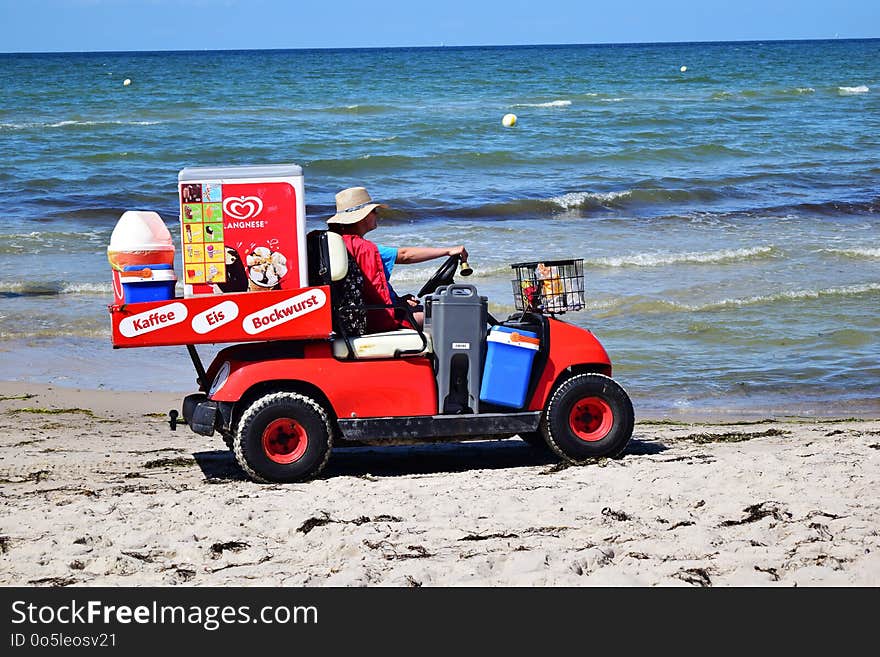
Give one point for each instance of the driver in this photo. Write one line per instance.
(355, 217)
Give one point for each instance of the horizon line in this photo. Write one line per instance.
(441, 46)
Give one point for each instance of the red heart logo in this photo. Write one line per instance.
(243, 207)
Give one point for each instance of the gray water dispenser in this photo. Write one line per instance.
(456, 318)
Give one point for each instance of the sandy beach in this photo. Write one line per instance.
(96, 490)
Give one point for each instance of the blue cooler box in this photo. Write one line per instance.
(148, 283)
(509, 357)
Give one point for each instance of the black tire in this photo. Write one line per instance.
(588, 416)
(283, 437)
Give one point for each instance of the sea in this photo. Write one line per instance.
(724, 197)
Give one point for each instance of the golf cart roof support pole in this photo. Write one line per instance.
(200, 369)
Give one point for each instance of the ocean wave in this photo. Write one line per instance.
(54, 241)
(852, 91)
(529, 208)
(52, 288)
(65, 124)
(552, 103)
(647, 306)
(662, 259)
(628, 197)
(572, 200)
(60, 332)
(761, 93)
(828, 208)
(358, 109)
(791, 295)
(856, 252)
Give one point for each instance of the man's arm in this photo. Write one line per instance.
(408, 255)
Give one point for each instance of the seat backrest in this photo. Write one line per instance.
(338, 256)
(327, 256)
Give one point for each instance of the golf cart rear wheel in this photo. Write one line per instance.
(283, 437)
(588, 416)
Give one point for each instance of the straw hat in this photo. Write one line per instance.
(352, 205)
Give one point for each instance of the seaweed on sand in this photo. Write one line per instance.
(217, 549)
(325, 519)
(756, 512)
(731, 436)
(50, 411)
(178, 462)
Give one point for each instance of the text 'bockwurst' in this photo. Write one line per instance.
(282, 312)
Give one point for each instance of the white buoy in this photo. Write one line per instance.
(509, 120)
(126, 82)
(683, 69)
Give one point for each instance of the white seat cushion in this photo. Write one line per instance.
(338, 256)
(383, 345)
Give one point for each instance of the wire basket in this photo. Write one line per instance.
(552, 286)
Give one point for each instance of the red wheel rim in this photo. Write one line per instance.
(285, 440)
(591, 419)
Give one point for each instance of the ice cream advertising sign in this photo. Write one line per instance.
(240, 237)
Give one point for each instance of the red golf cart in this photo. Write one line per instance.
(304, 375)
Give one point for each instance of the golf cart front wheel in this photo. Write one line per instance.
(588, 416)
(283, 437)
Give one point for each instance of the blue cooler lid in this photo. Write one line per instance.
(514, 337)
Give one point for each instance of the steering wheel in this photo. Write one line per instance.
(445, 275)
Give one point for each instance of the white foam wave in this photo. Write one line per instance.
(661, 259)
(62, 332)
(381, 138)
(87, 288)
(643, 305)
(51, 288)
(64, 124)
(576, 199)
(552, 103)
(805, 90)
(858, 253)
(851, 91)
(791, 295)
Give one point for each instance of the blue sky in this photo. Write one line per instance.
(93, 25)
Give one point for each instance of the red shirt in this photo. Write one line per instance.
(366, 254)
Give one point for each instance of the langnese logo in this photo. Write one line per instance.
(153, 320)
(284, 311)
(243, 207)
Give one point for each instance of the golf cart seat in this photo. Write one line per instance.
(384, 345)
(329, 264)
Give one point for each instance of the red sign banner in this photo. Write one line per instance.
(298, 314)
